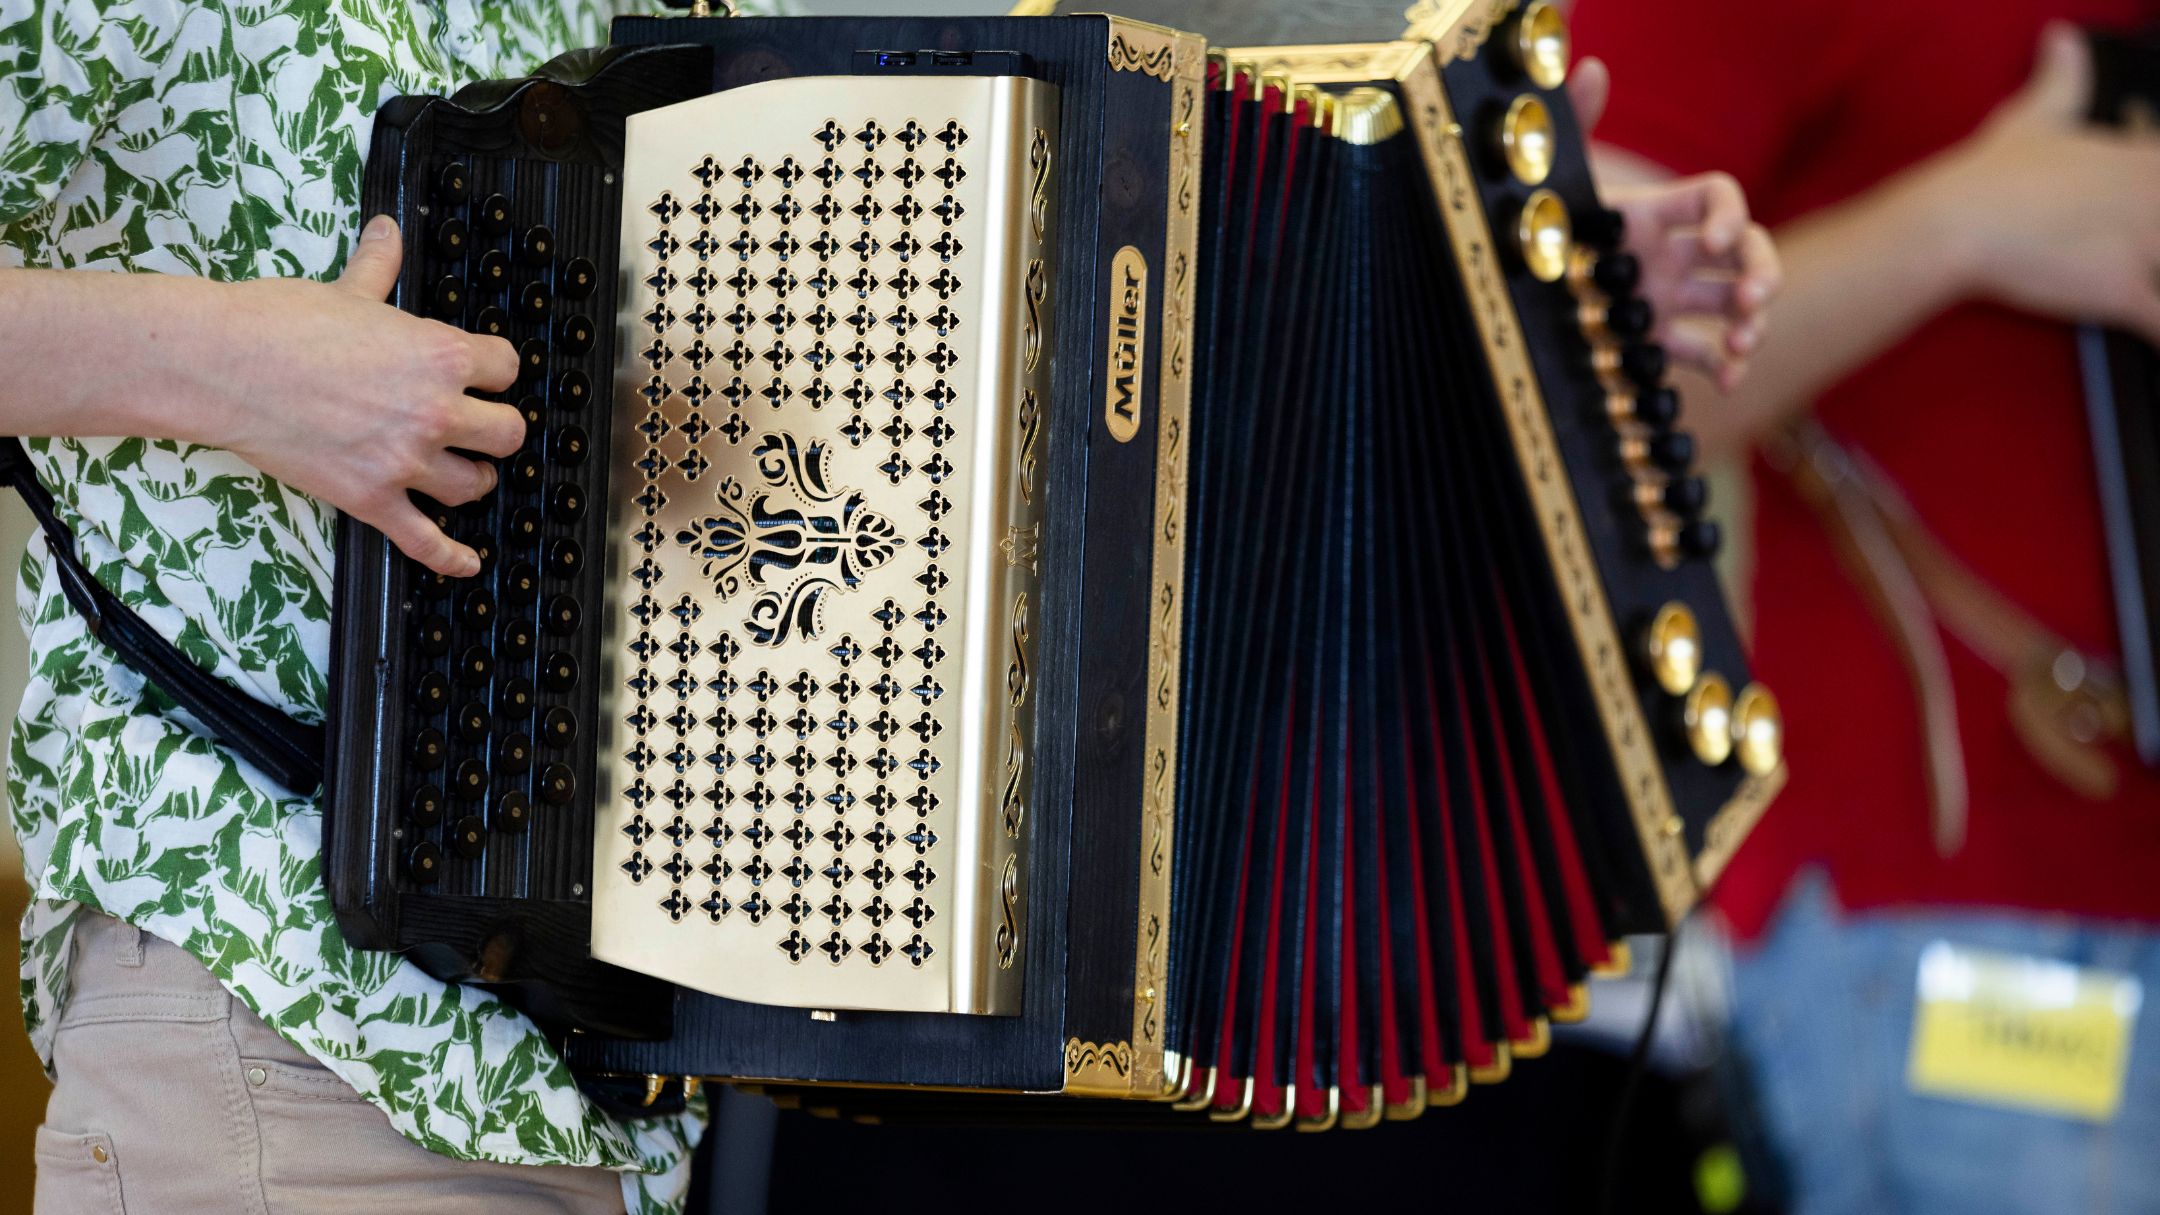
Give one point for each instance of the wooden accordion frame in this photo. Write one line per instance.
(995, 429)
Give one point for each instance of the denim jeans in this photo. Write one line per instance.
(1822, 1022)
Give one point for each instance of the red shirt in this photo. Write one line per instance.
(1978, 416)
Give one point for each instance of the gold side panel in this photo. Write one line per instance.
(1098, 1069)
(1349, 63)
(816, 734)
(1729, 828)
(1567, 545)
(1457, 27)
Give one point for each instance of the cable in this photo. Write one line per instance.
(1638, 1062)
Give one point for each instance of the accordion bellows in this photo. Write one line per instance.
(1114, 570)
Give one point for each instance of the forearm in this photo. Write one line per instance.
(97, 354)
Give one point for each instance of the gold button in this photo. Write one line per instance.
(257, 1076)
(1675, 648)
(1708, 716)
(1526, 140)
(1541, 44)
(1544, 235)
(1758, 730)
(99, 1154)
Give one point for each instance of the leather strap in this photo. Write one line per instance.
(289, 752)
(2065, 706)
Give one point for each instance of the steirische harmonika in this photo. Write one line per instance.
(1051, 561)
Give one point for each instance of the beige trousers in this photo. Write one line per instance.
(172, 1098)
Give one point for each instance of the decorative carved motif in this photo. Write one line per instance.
(1098, 1069)
(1146, 49)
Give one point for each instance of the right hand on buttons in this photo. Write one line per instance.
(2047, 213)
(336, 393)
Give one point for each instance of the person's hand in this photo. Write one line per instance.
(1708, 269)
(2047, 213)
(336, 393)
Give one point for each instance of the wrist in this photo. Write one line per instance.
(1937, 214)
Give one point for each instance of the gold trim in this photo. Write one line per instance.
(1034, 8)
(1137, 46)
(1348, 63)
(1597, 636)
(1367, 116)
(1458, 28)
(1619, 962)
(1098, 1069)
(1281, 1121)
(1577, 1006)
(1181, 243)
(1413, 1108)
(1458, 1087)
(1239, 1114)
(1502, 1066)
(1327, 1121)
(1539, 1041)
(1730, 826)
(1125, 374)
(1199, 1092)
(1375, 1109)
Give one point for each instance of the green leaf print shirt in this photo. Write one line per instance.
(224, 138)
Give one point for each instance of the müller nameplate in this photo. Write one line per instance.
(827, 503)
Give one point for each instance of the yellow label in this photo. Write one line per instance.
(1128, 343)
(2027, 1033)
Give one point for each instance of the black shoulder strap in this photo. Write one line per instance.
(287, 751)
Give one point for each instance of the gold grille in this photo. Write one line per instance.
(827, 504)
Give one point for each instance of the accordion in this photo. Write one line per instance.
(1050, 560)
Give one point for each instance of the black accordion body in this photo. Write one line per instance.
(1051, 560)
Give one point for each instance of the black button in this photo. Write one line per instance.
(566, 503)
(1673, 451)
(479, 608)
(476, 666)
(1602, 229)
(565, 559)
(1659, 409)
(515, 755)
(513, 810)
(557, 783)
(453, 183)
(522, 587)
(429, 749)
(576, 335)
(532, 357)
(526, 524)
(493, 215)
(429, 583)
(568, 446)
(518, 640)
(484, 547)
(562, 616)
(469, 838)
(448, 298)
(1630, 319)
(579, 278)
(432, 693)
(473, 722)
(525, 472)
(472, 780)
(572, 389)
(517, 698)
(533, 302)
(433, 636)
(492, 275)
(425, 863)
(452, 239)
(559, 727)
(558, 672)
(425, 807)
(1644, 364)
(1686, 496)
(1617, 274)
(492, 322)
(534, 410)
(1700, 539)
(537, 246)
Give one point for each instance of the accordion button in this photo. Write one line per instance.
(577, 335)
(518, 640)
(1543, 236)
(558, 673)
(537, 246)
(1674, 648)
(515, 755)
(533, 302)
(433, 636)
(479, 609)
(566, 503)
(1758, 731)
(476, 666)
(429, 749)
(448, 298)
(1630, 319)
(472, 780)
(1707, 714)
(425, 863)
(453, 184)
(557, 784)
(565, 559)
(572, 389)
(1673, 451)
(559, 727)
(568, 446)
(526, 525)
(513, 811)
(517, 698)
(1659, 409)
(522, 587)
(579, 279)
(1644, 363)
(492, 216)
(1526, 140)
(525, 473)
(1540, 46)
(492, 275)
(492, 322)
(452, 239)
(432, 693)
(532, 358)
(425, 807)
(1685, 496)
(469, 838)
(534, 410)
(1617, 274)
(1701, 539)
(563, 615)
(428, 583)
(473, 722)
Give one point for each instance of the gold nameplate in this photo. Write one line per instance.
(818, 710)
(2027, 1033)
(1128, 344)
